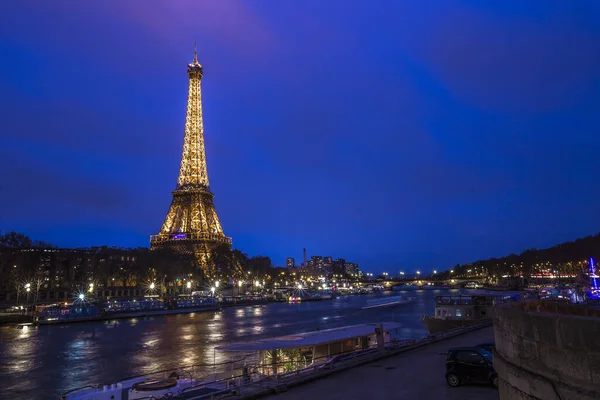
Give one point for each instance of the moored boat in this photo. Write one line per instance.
(406, 286)
(457, 311)
(80, 311)
(144, 388)
(315, 349)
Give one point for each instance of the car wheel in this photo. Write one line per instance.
(495, 382)
(452, 379)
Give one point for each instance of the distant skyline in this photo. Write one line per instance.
(395, 134)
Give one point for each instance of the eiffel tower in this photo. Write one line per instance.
(192, 225)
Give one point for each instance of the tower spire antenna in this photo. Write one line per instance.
(195, 54)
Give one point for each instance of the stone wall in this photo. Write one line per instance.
(547, 350)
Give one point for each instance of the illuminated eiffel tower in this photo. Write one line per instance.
(192, 225)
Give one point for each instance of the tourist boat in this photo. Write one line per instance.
(407, 286)
(387, 302)
(317, 349)
(144, 388)
(247, 300)
(84, 311)
(304, 295)
(455, 311)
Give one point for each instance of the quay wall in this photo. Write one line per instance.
(547, 351)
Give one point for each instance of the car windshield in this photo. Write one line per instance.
(486, 354)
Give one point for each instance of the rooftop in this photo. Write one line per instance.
(308, 339)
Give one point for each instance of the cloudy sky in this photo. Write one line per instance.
(398, 134)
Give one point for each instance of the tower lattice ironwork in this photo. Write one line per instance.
(192, 225)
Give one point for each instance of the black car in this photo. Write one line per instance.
(487, 346)
(470, 365)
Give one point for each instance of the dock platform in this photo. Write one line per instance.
(416, 374)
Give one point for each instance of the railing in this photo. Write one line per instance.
(184, 237)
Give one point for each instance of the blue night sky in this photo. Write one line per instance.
(397, 134)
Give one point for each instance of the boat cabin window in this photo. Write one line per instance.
(458, 313)
(469, 313)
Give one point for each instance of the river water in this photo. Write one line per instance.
(44, 362)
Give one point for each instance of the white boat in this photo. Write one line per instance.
(404, 287)
(387, 302)
(317, 349)
(144, 388)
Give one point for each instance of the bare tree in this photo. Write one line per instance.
(38, 282)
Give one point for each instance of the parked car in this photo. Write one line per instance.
(470, 365)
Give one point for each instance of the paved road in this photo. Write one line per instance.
(417, 374)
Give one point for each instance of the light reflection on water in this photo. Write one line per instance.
(43, 362)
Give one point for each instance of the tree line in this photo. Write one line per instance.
(26, 261)
(569, 258)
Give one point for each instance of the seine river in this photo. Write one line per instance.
(43, 362)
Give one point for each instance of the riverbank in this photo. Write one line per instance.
(12, 318)
(45, 362)
(409, 375)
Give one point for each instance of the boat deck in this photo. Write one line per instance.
(307, 339)
(417, 374)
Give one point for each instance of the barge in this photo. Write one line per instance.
(83, 311)
(456, 311)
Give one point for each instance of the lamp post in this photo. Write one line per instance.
(239, 288)
(27, 289)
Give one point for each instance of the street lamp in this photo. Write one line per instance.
(212, 290)
(299, 287)
(239, 287)
(189, 285)
(217, 284)
(27, 289)
(152, 286)
(81, 296)
(418, 272)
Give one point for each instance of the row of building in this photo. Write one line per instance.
(319, 265)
